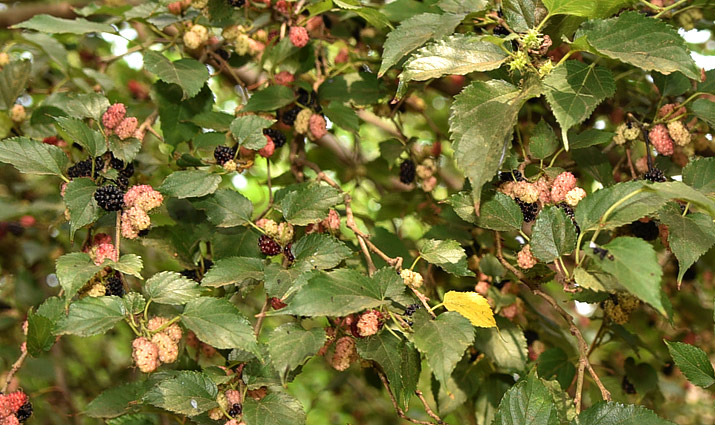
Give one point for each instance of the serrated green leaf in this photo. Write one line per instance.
(683, 192)
(647, 43)
(77, 131)
(175, 113)
(134, 302)
(519, 14)
(187, 393)
(462, 6)
(32, 156)
(594, 162)
(79, 198)
(589, 137)
(318, 251)
(219, 121)
(595, 280)
(414, 32)
(528, 402)
(91, 316)
(54, 25)
(125, 150)
(248, 131)
(233, 270)
(611, 412)
(130, 264)
(543, 140)
(505, 345)
(116, 401)
(289, 346)
(674, 84)
(307, 203)
(585, 8)
(634, 263)
(398, 359)
(553, 235)
(337, 293)
(217, 322)
(342, 116)
(73, 271)
(704, 109)
(693, 362)
(574, 89)
(554, 361)
(269, 99)
(443, 341)
(13, 80)
(634, 202)
(500, 213)
(226, 208)
(40, 337)
(449, 255)
(464, 207)
(481, 122)
(700, 174)
(86, 105)
(689, 236)
(189, 74)
(458, 54)
(171, 288)
(276, 408)
(190, 184)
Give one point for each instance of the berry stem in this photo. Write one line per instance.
(666, 9)
(166, 325)
(15, 367)
(414, 263)
(118, 232)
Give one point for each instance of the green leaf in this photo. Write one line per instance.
(700, 174)
(289, 346)
(189, 74)
(269, 99)
(589, 137)
(13, 80)
(505, 345)
(276, 408)
(458, 54)
(337, 293)
(633, 203)
(398, 359)
(342, 116)
(307, 203)
(134, 302)
(278, 281)
(462, 204)
(683, 192)
(77, 131)
(449, 255)
(190, 184)
(647, 43)
(32, 156)
(91, 316)
(219, 121)
(128, 264)
(519, 14)
(318, 251)
(171, 288)
(693, 362)
(125, 150)
(574, 89)
(226, 208)
(79, 198)
(40, 337)
(414, 32)
(443, 341)
(217, 322)
(116, 400)
(248, 131)
(528, 402)
(86, 105)
(73, 271)
(543, 141)
(634, 263)
(585, 8)
(674, 84)
(481, 122)
(553, 235)
(462, 6)
(703, 109)
(611, 412)
(554, 361)
(53, 25)
(176, 114)
(500, 213)
(233, 270)
(187, 393)
(689, 237)
(594, 162)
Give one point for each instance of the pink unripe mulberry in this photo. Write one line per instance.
(542, 185)
(369, 323)
(143, 197)
(318, 126)
(103, 251)
(525, 259)
(267, 151)
(114, 115)
(574, 196)
(345, 353)
(145, 354)
(126, 128)
(333, 220)
(298, 36)
(526, 191)
(233, 397)
(167, 348)
(661, 140)
(563, 183)
(284, 78)
(342, 56)
(10, 420)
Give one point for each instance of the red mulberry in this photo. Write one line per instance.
(126, 128)
(114, 115)
(298, 36)
(661, 140)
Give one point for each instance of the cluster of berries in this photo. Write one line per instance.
(618, 307)
(15, 408)
(410, 310)
(159, 347)
(329, 224)
(645, 228)
(196, 36)
(412, 279)
(529, 195)
(242, 42)
(276, 239)
(230, 402)
(425, 171)
(525, 259)
(115, 121)
(138, 201)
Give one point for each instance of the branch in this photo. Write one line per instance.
(399, 411)
(15, 367)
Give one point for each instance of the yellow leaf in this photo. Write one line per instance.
(472, 306)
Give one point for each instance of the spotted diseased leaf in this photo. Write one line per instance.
(190, 184)
(414, 32)
(290, 345)
(91, 316)
(277, 408)
(639, 40)
(217, 322)
(611, 412)
(457, 54)
(574, 89)
(693, 362)
(528, 402)
(171, 288)
(307, 203)
(185, 392)
(32, 156)
(472, 306)
(449, 255)
(443, 341)
(189, 74)
(553, 235)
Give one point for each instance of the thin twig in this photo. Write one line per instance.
(15, 367)
(261, 316)
(399, 411)
(429, 411)
(366, 253)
